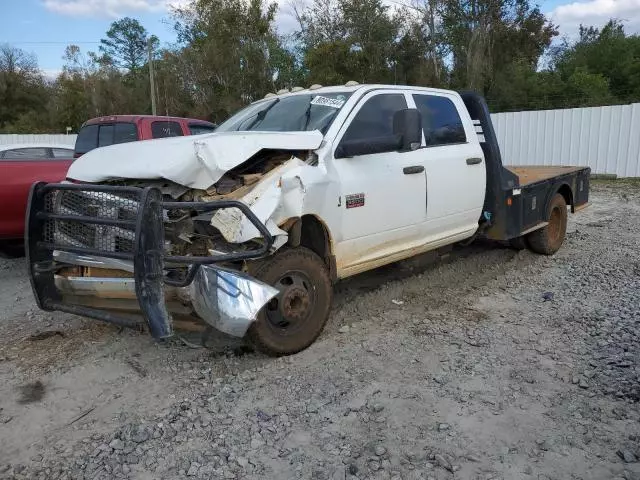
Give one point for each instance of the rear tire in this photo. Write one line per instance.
(518, 243)
(549, 239)
(294, 319)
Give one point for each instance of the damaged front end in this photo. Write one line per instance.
(105, 252)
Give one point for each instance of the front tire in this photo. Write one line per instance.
(294, 319)
(549, 239)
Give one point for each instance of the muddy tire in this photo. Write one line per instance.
(518, 243)
(293, 320)
(549, 239)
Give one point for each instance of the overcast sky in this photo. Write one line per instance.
(45, 27)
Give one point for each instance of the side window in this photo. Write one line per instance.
(125, 132)
(26, 154)
(375, 118)
(200, 128)
(440, 120)
(62, 153)
(105, 135)
(162, 129)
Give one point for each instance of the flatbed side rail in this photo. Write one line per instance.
(119, 222)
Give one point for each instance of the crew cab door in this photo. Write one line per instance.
(454, 165)
(382, 202)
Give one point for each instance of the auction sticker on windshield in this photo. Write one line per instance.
(327, 102)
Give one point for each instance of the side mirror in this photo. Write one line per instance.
(407, 124)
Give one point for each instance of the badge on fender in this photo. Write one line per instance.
(355, 200)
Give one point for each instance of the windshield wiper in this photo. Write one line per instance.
(261, 114)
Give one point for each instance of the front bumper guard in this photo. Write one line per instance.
(226, 299)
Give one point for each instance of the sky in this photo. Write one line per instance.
(46, 27)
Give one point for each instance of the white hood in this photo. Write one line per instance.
(195, 161)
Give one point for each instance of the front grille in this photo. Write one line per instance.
(106, 238)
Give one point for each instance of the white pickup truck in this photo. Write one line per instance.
(246, 229)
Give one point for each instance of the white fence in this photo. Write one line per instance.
(62, 139)
(607, 139)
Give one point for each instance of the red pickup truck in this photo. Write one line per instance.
(23, 165)
(103, 131)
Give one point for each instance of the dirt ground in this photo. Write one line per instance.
(487, 364)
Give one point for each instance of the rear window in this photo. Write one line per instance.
(29, 153)
(105, 135)
(87, 139)
(92, 136)
(200, 128)
(440, 120)
(62, 153)
(162, 129)
(125, 132)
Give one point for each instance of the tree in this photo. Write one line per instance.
(126, 45)
(320, 22)
(231, 54)
(610, 54)
(420, 53)
(73, 103)
(487, 36)
(350, 40)
(372, 33)
(330, 63)
(427, 36)
(22, 87)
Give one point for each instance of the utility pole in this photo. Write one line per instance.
(151, 78)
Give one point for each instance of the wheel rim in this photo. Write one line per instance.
(555, 224)
(293, 305)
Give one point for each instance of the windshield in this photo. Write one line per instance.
(296, 113)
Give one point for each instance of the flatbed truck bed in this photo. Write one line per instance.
(531, 174)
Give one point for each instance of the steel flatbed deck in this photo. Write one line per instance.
(529, 175)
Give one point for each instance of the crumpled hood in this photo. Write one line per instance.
(196, 161)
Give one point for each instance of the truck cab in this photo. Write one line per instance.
(400, 201)
(247, 228)
(115, 129)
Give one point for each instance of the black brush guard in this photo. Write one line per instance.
(147, 252)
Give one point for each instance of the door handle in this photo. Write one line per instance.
(413, 169)
(474, 161)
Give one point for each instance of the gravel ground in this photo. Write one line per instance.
(488, 364)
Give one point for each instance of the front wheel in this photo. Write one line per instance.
(292, 320)
(549, 239)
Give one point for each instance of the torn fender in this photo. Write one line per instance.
(282, 194)
(196, 161)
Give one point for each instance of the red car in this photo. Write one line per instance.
(23, 165)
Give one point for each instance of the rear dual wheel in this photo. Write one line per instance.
(518, 243)
(549, 239)
(293, 319)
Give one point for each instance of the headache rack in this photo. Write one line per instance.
(117, 222)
